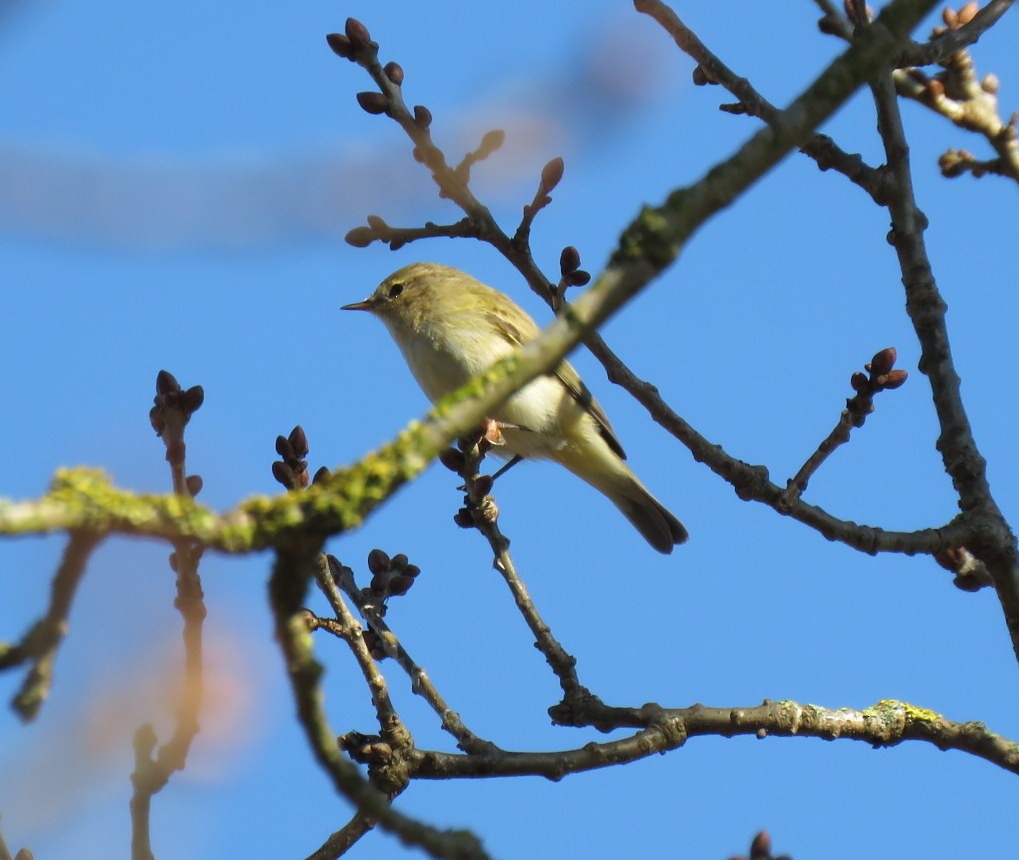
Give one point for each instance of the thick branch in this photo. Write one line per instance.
(991, 540)
(886, 724)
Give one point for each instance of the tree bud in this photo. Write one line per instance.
(394, 71)
(373, 103)
(378, 561)
(358, 34)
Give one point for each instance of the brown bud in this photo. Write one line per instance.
(284, 448)
(400, 561)
(284, 474)
(422, 116)
(394, 71)
(552, 173)
(949, 16)
(340, 45)
(452, 460)
(893, 379)
(578, 278)
(483, 485)
(760, 848)
(990, 84)
(569, 260)
(463, 519)
(491, 142)
(400, 584)
(172, 558)
(360, 237)
(968, 12)
(321, 475)
(700, 77)
(358, 34)
(194, 484)
(412, 570)
(378, 561)
(192, 399)
(827, 25)
(882, 361)
(24, 854)
(373, 103)
(380, 582)
(166, 382)
(860, 383)
(967, 583)
(299, 441)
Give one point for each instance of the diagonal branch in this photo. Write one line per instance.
(990, 538)
(819, 147)
(40, 644)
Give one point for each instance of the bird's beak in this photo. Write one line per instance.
(365, 305)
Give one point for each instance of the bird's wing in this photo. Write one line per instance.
(570, 380)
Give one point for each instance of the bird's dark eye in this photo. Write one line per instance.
(395, 290)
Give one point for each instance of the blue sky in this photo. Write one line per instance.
(174, 188)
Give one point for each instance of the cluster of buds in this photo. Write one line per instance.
(355, 44)
(569, 269)
(172, 409)
(477, 501)
(354, 40)
(880, 376)
(955, 19)
(362, 237)
(391, 577)
(366, 749)
(291, 470)
(971, 574)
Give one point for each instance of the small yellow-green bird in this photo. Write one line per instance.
(451, 327)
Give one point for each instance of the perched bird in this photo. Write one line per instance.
(451, 327)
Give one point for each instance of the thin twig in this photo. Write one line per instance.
(344, 839)
(421, 683)
(858, 407)
(819, 147)
(170, 414)
(293, 570)
(393, 728)
(484, 515)
(42, 642)
(941, 47)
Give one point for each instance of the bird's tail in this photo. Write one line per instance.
(616, 480)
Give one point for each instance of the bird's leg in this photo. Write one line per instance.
(491, 433)
(503, 469)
